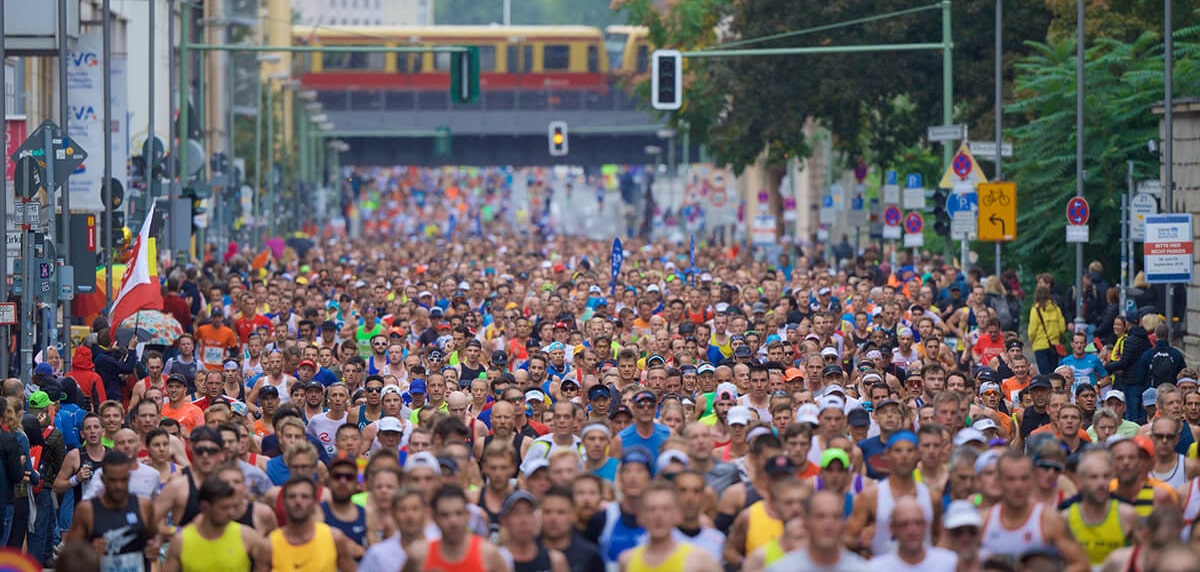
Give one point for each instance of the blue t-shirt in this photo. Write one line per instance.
(608, 471)
(873, 450)
(630, 438)
(1087, 369)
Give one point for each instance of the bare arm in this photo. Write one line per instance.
(70, 466)
(1055, 530)
(345, 553)
(175, 554)
(735, 544)
(702, 561)
(258, 547)
(558, 562)
(860, 517)
(81, 525)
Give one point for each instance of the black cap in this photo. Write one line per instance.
(268, 390)
(178, 378)
(742, 351)
(858, 417)
(599, 392)
(517, 496)
(832, 370)
(619, 410)
(780, 465)
(1041, 382)
(987, 374)
(645, 395)
(499, 358)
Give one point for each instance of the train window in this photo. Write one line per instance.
(353, 61)
(556, 57)
(441, 61)
(614, 44)
(512, 56)
(487, 58)
(593, 56)
(643, 58)
(527, 59)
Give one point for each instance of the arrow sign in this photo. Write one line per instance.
(1078, 211)
(998, 221)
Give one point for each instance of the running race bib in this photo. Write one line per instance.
(213, 355)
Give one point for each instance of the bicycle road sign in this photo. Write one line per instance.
(997, 211)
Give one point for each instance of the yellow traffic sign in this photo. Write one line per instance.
(963, 170)
(997, 211)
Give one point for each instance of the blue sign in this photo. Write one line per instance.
(962, 203)
(892, 177)
(827, 201)
(913, 181)
(891, 216)
(913, 223)
(856, 203)
(617, 257)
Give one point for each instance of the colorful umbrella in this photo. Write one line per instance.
(163, 328)
(90, 305)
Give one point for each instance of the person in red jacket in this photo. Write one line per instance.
(83, 371)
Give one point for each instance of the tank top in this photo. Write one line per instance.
(281, 512)
(540, 563)
(355, 530)
(1143, 503)
(772, 552)
(124, 534)
(493, 518)
(192, 509)
(760, 526)
(86, 460)
(472, 561)
(224, 554)
(998, 540)
(1191, 508)
(316, 555)
(247, 516)
(1032, 420)
(1098, 540)
(882, 542)
(362, 417)
(1177, 476)
(673, 563)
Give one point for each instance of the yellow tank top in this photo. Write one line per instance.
(773, 552)
(1098, 540)
(316, 555)
(225, 554)
(674, 563)
(761, 528)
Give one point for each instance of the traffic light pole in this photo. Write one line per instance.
(946, 46)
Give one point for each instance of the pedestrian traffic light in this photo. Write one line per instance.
(464, 75)
(558, 138)
(941, 218)
(666, 80)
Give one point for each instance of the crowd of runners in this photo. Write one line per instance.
(504, 403)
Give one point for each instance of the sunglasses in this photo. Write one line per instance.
(644, 405)
(373, 389)
(1163, 436)
(206, 451)
(1050, 466)
(344, 476)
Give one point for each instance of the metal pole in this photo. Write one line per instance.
(172, 109)
(1126, 230)
(64, 236)
(107, 188)
(269, 212)
(4, 207)
(152, 76)
(507, 12)
(185, 95)
(256, 201)
(1079, 170)
(999, 104)
(1169, 136)
(948, 109)
(231, 182)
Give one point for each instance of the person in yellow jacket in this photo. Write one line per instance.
(1046, 328)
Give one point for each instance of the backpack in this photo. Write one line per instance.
(37, 459)
(69, 422)
(1162, 368)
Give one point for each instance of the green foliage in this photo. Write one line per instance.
(875, 104)
(524, 12)
(1123, 80)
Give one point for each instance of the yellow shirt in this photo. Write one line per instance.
(1100, 539)
(316, 555)
(673, 563)
(762, 527)
(224, 554)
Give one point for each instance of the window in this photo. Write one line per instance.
(556, 57)
(527, 59)
(352, 61)
(643, 58)
(409, 63)
(487, 58)
(614, 44)
(593, 59)
(513, 56)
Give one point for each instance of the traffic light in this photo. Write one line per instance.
(666, 80)
(558, 138)
(464, 75)
(941, 218)
(118, 228)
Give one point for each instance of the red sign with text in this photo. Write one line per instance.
(14, 135)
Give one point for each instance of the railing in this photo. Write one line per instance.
(615, 98)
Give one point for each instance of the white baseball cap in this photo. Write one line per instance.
(739, 415)
(807, 413)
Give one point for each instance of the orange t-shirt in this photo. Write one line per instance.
(1083, 436)
(1012, 388)
(189, 416)
(214, 345)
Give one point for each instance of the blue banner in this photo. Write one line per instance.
(618, 256)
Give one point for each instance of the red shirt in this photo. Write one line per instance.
(245, 326)
(985, 349)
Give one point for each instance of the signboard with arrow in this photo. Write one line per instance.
(997, 211)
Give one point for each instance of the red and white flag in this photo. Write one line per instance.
(140, 288)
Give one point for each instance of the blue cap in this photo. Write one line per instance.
(44, 369)
(599, 391)
(417, 386)
(1150, 397)
(638, 455)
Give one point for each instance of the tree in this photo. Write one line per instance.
(1122, 81)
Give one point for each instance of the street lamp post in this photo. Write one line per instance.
(269, 212)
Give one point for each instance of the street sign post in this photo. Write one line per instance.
(1168, 248)
(987, 150)
(963, 169)
(1142, 205)
(914, 192)
(914, 224)
(963, 206)
(891, 188)
(891, 222)
(997, 211)
(1078, 213)
(944, 133)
